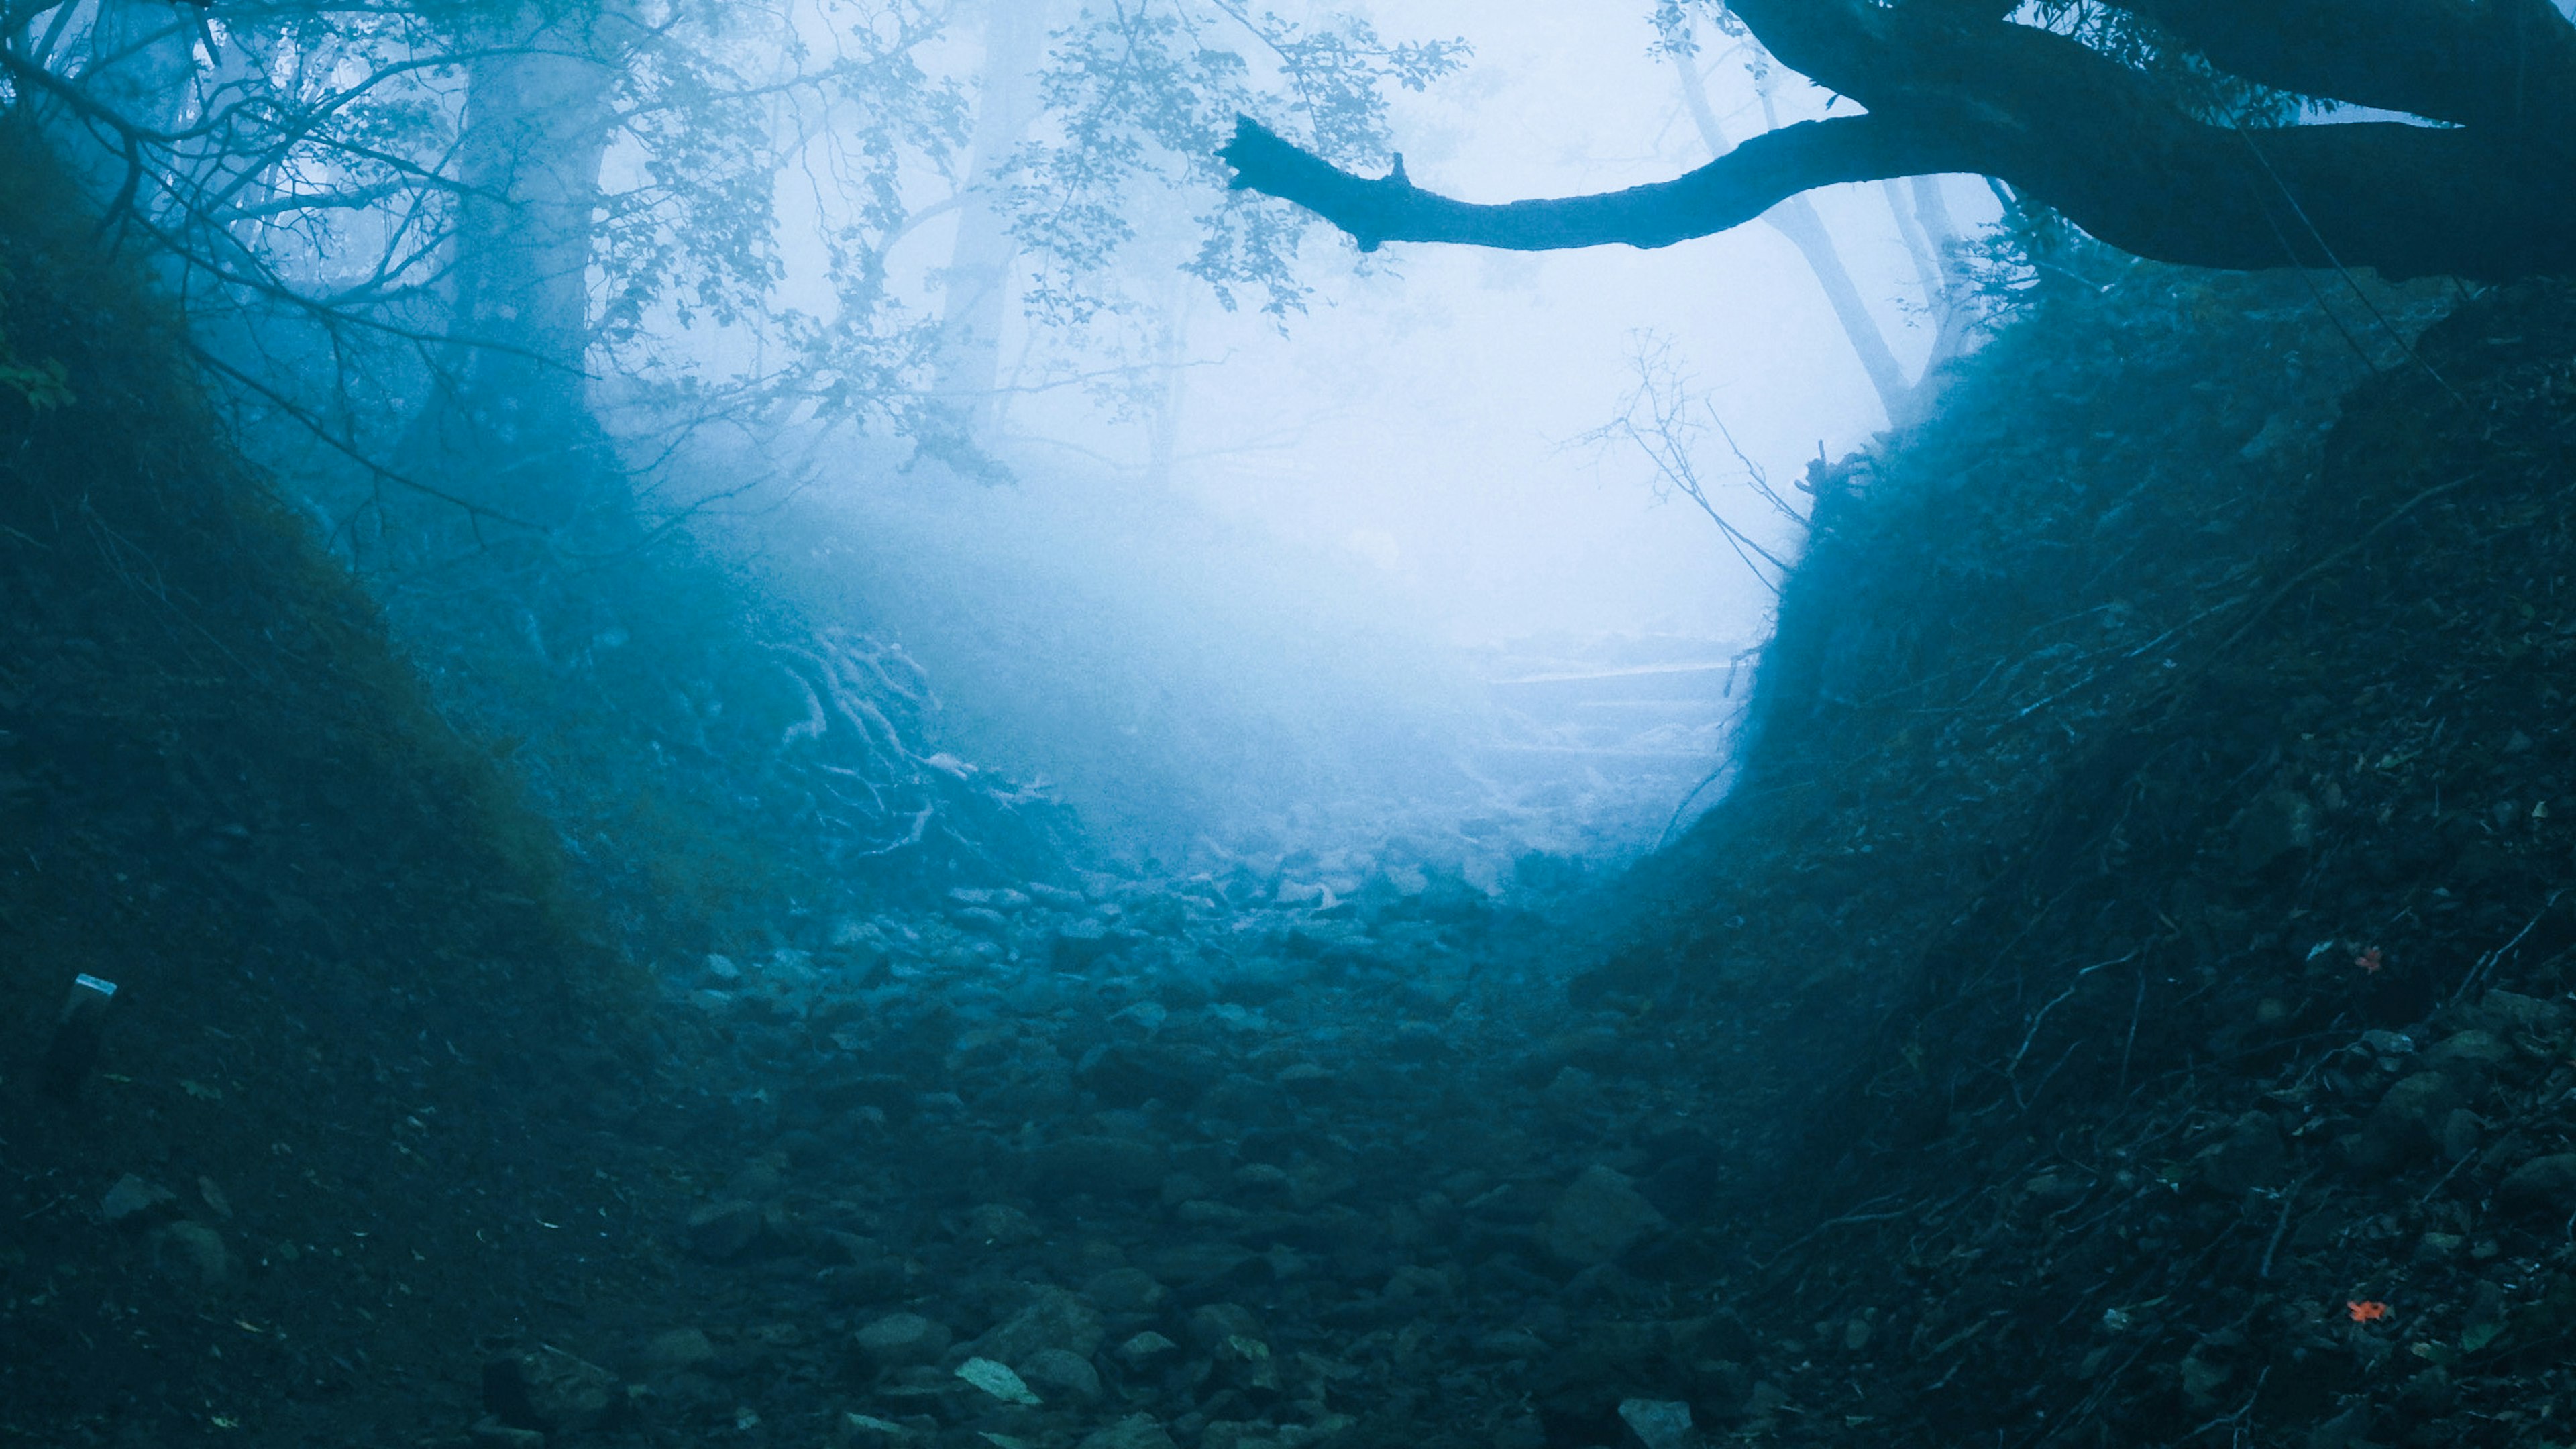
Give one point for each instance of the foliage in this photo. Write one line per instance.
(42, 385)
(1139, 96)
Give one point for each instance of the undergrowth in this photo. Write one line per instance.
(2160, 760)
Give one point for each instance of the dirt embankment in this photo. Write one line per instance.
(2134, 972)
(355, 1017)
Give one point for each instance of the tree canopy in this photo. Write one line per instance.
(2417, 137)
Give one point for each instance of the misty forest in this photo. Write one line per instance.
(1287, 724)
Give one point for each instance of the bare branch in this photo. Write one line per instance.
(1727, 192)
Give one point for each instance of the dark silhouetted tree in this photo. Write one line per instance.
(2171, 129)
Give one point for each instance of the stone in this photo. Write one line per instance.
(192, 1253)
(2279, 823)
(2401, 1127)
(1246, 1364)
(2511, 1012)
(548, 1389)
(2249, 1157)
(134, 1204)
(1598, 1217)
(1212, 1324)
(2544, 1184)
(983, 920)
(1063, 1374)
(1103, 1166)
(1136, 1431)
(676, 1349)
(1052, 1319)
(2458, 1136)
(1657, 1423)
(899, 1339)
(1146, 1349)
(998, 1380)
(1126, 1291)
(867, 1429)
(1239, 1434)
(1080, 945)
(722, 1231)
(999, 1225)
(489, 1432)
(759, 1179)
(2470, 1055)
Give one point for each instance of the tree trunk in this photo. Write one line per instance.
(141, 56)
(1796, 219)
(509, 421)
(978, 280)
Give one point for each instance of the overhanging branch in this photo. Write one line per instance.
(1727, 192)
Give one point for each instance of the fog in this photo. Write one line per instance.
(1270, 606)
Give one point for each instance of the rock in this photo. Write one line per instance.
(1146, 1349)
(1136, 1431)
(550, 1390)
(1598, 1217)
(2469, 1056)
(899, 1339)
(2346, 1430)
(134, 1204)
(2250, 1157)
(998, 1225)
(1127, 1292)
(760, 1179)
(1080, 945)
(1103, 1166)
(1214, 1323)
(1196, 1265)
(2279, 823)
(679, 1348)
(1063, 1374)
(857, 1429)
(2509, 1013)
(998, 1380)
(2202, 1379)
(490, 1433)
(2457, 1137)
(192, 1253)
(2401, 1127)
(983, 920)
(1657, 1423)
(722, 1231)
(2544, 1184)
(1052, 1319)
(1239, 1434)
(1511, 1344)
(1246, 1364)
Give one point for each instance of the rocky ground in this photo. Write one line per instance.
(1222, 1164)
(1225, 1164)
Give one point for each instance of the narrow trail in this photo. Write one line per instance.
(1131, 1168)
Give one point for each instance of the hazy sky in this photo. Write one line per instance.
(1425, 419)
